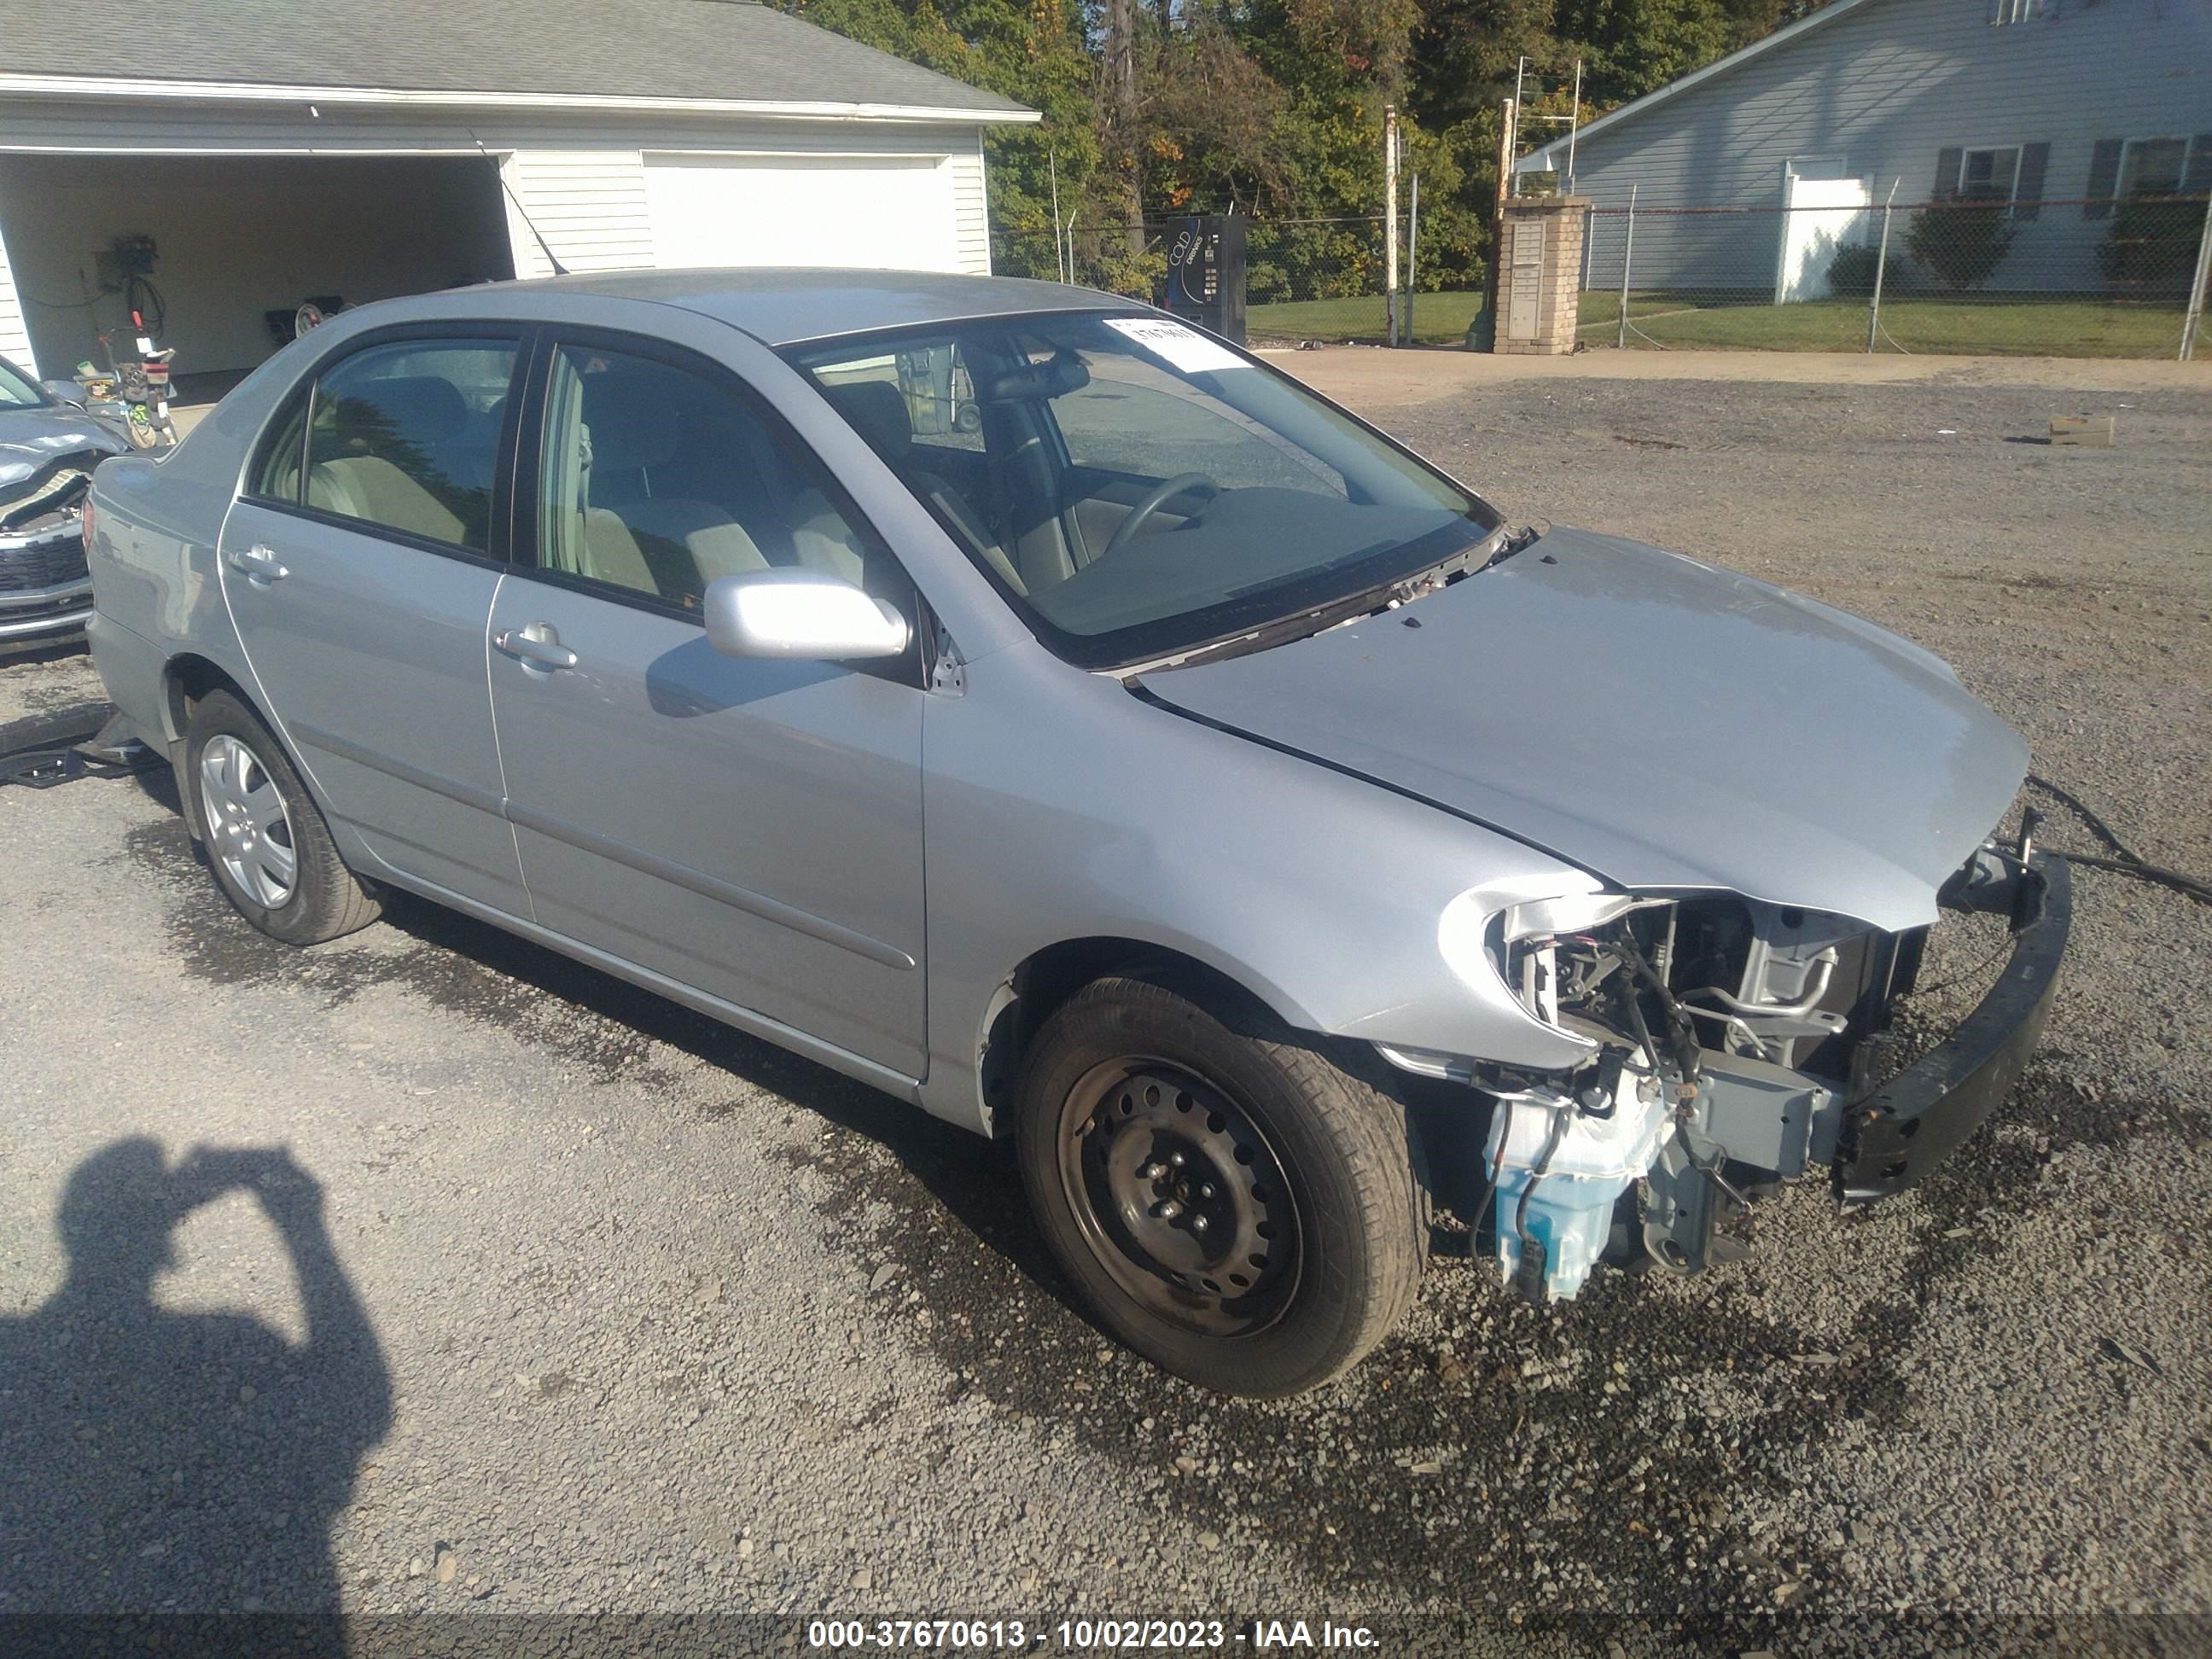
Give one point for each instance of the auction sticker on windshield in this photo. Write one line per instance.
(1180, 347)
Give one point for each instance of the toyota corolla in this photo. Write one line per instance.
(1055, 716)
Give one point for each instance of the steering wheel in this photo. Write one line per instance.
(1155, 498)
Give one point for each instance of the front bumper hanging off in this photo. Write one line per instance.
(1890, 1138)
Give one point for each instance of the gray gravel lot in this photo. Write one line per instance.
(670, 1321)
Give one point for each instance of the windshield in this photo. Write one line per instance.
(18, 390)
(1137, 487)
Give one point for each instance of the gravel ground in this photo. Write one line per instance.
(605, 1307)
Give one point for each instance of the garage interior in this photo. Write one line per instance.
(237, 237)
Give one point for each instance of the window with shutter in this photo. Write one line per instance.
(2153, 166)
(1988, 175)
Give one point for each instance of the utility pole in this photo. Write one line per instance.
(1120, 62)
(1390, 221)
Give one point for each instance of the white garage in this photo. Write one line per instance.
(233, 158)
(884, 211)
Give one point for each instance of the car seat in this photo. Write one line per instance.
(877, 410)
(383, 457)
(683, 543)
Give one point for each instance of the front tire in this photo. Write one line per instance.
(267, 844)
(1234, 1207)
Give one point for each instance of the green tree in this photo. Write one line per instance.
(1276, 106)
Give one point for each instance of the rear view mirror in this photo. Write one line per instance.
(1058, 375)
(799, 615)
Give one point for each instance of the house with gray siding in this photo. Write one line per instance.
(2054, 113)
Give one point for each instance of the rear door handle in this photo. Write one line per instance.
(538, 645)
(258, 564)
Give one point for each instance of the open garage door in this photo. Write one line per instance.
(864, 213)
(238, 240)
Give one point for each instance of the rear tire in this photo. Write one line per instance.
(267, 844)
(1233, 1205)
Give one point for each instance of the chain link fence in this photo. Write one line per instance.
(1306, 279)
(2091, 277)
(2088, 277)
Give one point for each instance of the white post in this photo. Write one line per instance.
(1880, 264)
(1390, 222)
(1574, 125)
(2196, 317)
(1059, 263)
(1413, 255)
(1627, 247)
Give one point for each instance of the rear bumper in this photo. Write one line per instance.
(1890, 1139)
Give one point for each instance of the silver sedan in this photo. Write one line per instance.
(1049, 714)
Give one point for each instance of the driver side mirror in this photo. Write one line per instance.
(796, 615)
(65, 391)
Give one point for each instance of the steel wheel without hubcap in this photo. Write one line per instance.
(248, 829)
(1179, 1196)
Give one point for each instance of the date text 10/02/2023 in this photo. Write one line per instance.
(1088, 1635)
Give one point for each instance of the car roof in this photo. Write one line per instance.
(786, 306)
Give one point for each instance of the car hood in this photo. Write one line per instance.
(32, 439)
(1664, 724)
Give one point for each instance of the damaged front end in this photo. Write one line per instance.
(44, 587)
(1727, 1052)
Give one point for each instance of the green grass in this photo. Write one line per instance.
(1975, 327)
(1438, 318)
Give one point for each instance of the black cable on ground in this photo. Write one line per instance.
(2199, 890)
(2126, 860)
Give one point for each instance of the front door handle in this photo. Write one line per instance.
(538, 645)
(258, 564)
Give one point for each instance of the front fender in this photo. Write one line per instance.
(1058, 807)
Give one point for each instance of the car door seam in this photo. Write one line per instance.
(499, 749)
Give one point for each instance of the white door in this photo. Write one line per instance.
(1825, 213)
(889, 213)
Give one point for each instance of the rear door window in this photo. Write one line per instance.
(406, 437)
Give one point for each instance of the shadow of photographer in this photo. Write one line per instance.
(156, 1461)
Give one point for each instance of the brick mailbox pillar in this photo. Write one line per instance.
(1540, 275)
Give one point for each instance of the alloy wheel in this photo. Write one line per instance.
(249, 831)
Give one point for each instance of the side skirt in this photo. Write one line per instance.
(853, 1066)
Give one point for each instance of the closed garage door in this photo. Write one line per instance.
(874, 213)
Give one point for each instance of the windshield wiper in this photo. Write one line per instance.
(1382, 596)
